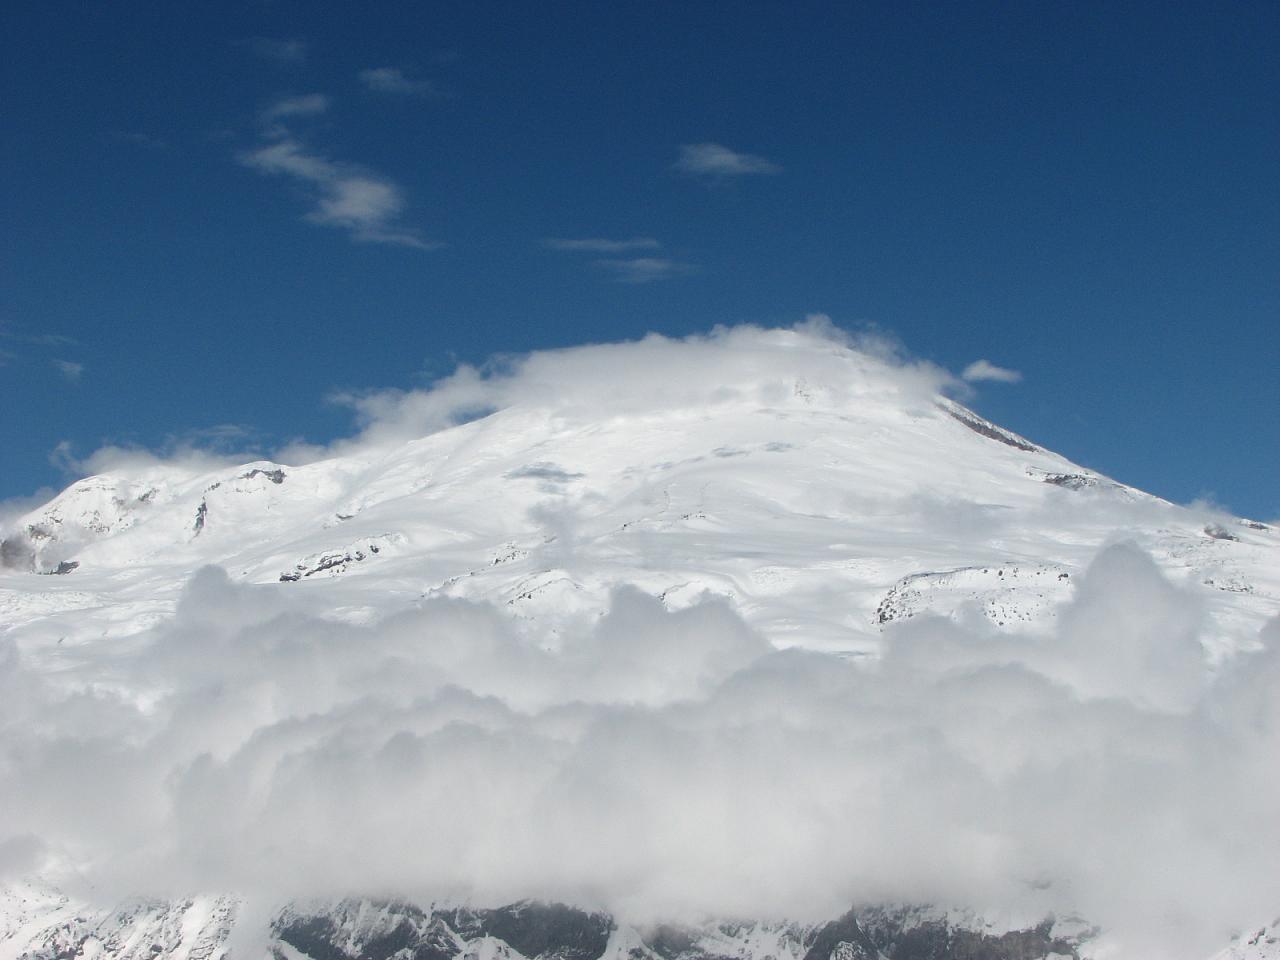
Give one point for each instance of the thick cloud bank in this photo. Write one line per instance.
(663, 763)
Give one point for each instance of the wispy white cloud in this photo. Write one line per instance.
(18, 335)
(139, 139)
(69, 369)
(286, 51)
(364, 203)
(20, 340)
(638, 270)
(632, 270)
(985, 370)
(601, 244)
(394, 80)
(306, 105)
(200, 448)
(716, 160)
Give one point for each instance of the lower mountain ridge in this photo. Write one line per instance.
(353, 929)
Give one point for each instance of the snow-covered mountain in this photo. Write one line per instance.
(582, 619)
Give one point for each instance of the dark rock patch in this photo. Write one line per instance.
(1071, 481)
(899, 935)
(541, 931)
(990, 430)
(842, 939)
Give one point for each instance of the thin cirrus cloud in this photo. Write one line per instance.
(638, 270)
(717, 160)
(18, 335)
(981, 370)
(306, 105)
(286, 51)
(622, 269)
(601, 244)
(140, 139)
(393, 80)
(69, 369)
(366, 204)
(16, 344)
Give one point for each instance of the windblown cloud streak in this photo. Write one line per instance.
(985, 370)
(716, 160)
(306, 105)
(637, 270)
(633, 270)
(70, 369)
(26, 343)
(393, 80)
(287, 52)
(601, 244)
(365, 204)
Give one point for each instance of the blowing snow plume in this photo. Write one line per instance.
(733, 652)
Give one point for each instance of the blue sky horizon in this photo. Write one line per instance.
(215, 218)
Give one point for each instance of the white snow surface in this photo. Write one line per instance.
(780, 490)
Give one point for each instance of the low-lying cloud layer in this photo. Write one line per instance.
(662, 764)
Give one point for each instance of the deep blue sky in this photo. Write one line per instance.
(1087, 193)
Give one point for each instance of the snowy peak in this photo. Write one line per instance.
(777, 629)
(879, 488)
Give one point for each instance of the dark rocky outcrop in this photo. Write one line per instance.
(547, 931)
(902, 934)
(842, 939)
(989, 430)
(1071, 481)
(1217, 532)
(364, 930)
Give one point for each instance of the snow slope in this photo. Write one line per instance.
(822, 521)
